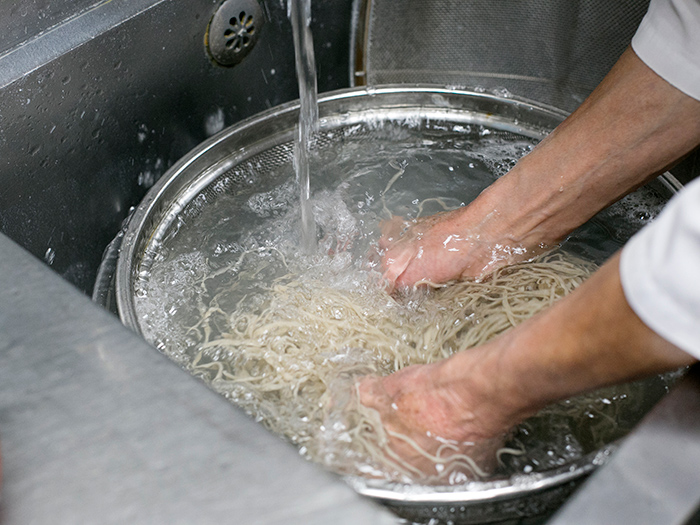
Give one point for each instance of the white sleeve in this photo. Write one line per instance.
(660, 266)
(660, 271)
(668, 41)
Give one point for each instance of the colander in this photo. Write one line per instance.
(264, 143)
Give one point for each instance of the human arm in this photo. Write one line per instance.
(631, 128)
(589, 339)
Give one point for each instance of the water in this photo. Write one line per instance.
(300, 18)
(245, 240)
(349, 203)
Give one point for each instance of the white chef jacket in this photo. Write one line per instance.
(660, 266)
(668, 41)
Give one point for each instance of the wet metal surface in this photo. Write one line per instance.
(95, 109)
(98, 427)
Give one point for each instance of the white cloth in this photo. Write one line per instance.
(660, 266)
(668, 41)
(660, 271)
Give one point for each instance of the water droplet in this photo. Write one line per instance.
(49, 256)
(214, 122)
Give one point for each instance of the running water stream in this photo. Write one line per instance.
(299, 12)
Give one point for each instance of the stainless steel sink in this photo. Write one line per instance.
(96, 107)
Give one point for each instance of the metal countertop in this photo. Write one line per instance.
(98, 427)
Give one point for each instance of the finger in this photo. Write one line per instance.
(371, 391)
(396, 265)
(391, 231)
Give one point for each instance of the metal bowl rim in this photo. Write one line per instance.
(479, 491)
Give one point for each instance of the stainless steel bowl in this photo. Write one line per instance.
(265, 140)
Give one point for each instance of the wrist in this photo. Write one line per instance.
(483, 394)
(525, 207)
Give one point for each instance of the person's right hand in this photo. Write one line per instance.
(424, 417)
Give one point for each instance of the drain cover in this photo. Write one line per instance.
(233, 31)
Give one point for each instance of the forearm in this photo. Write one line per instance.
(632, 127)
(589, 339)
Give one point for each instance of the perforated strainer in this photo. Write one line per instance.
(552, 51)
(247, 154)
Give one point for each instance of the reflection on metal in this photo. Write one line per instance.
(23, 19)
(653, 478)
(359, 42)
(98, 427)
(233, 31)
(67, 35)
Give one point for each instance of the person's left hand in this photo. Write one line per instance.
(467, 243)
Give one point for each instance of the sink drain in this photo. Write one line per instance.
(233, 31)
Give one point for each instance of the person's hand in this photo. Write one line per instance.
(470, 242)
(431, 433)
(589, 339)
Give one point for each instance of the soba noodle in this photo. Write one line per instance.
(291, 358)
